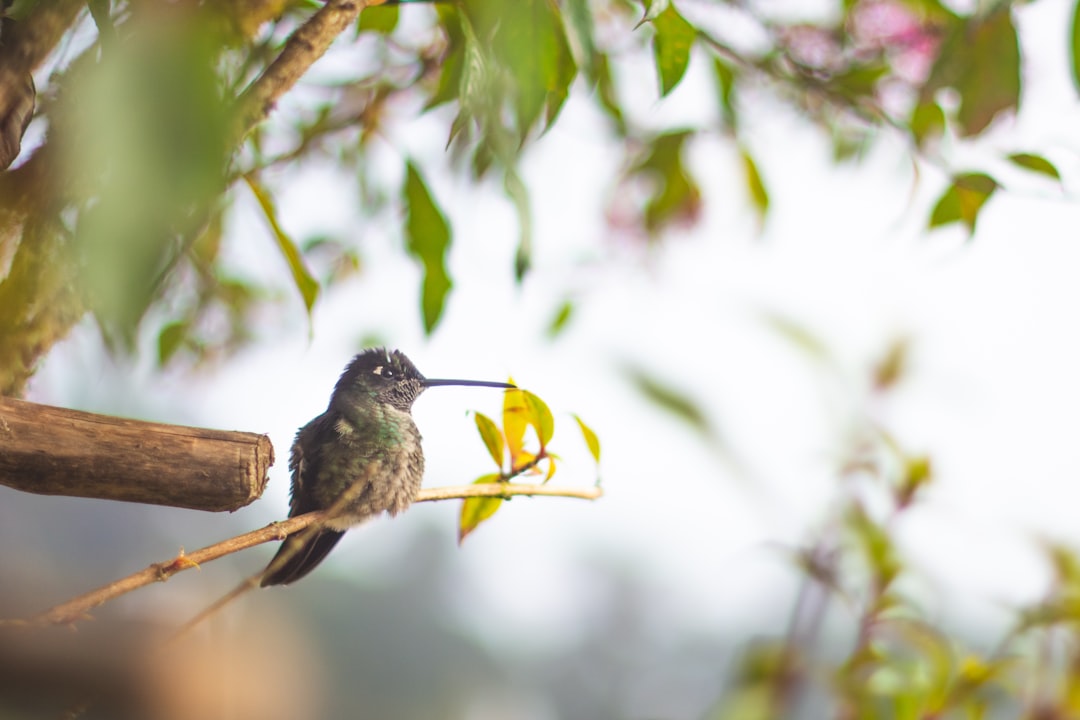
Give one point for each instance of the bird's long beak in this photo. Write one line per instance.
(475, 383)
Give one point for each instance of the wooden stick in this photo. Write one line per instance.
(55, 451)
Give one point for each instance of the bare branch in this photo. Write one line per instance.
(79, 607)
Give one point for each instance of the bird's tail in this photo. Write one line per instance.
(299, 555)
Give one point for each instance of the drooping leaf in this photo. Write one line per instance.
(551, 458)
(669, 399)
(540, 418)
(476, 510)
(671, 47)
(492, 437)
(677, 196)
(962, 200)
(1035, 163)
(591, 440)
(927, 121)
(519, 194)
(579, 21)
(980, 59)
(605, 92)
(755, 186)
(427, 238)
(305, 282)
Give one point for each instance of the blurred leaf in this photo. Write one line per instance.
(540, 418)
(380, 19)
(551, 467)
(980, 59)
(876, 546)
(670, 400)
(754, 185)
(677, 196)
(476, 510)
(427, 238)
(99, 11)
(170, 339)
(891, 368)
(1035, 163)
(591, 440)
(492, 437)
(671, 47)
(927, 121)
(653, 8)
(517, 191)
(515, 420)
(559, 320)
(799, 335)
(305, 283)
(1074, 46)
(605, 91)
(917, 474)
(580, 23)
(963, 200)
(725, 90)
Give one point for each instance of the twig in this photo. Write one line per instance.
(78, 608)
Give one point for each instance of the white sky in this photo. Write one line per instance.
(993, 393)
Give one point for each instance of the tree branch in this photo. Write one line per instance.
(78, 608)
(301, 50)
(55, 451)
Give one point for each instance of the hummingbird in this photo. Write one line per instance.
(367, 444)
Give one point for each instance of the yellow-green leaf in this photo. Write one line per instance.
(381, 19)
(755, 186)
(591, 440)
(671, 47)
(427, 236)
(540, 418)
(493, 439)
(1035, 163)
(963, 200)
(305, 282)
(170, 339)
(551, 467)
(515, 420)
(476, 510)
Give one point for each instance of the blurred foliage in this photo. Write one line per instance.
(145, 173)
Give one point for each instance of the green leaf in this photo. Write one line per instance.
(963, 200)
(1074, 46)
(670, 400)
(677, 196)
(530, 42)
(759, 196)
(1035, 163)
(605, 91)
(927, 121)
(980, 59)
(560, 319)
(491, 436)
(380, 19)
(305, 283)
(725, 90)
(476, 510)
(671, 47)
(591, 440)
(540, 418)
(653, 8)
(170, 339)
(427, 238)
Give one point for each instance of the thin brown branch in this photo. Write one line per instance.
(79, 607)
(301, 50)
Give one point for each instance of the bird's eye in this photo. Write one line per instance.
(388, 373)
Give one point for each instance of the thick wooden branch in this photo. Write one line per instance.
(78, 608)
(54, 451)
